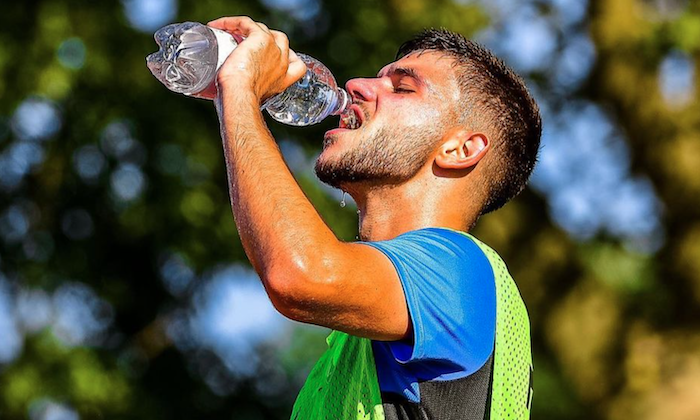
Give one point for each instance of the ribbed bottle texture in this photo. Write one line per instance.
(190, 54)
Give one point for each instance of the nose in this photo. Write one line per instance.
(361, 89)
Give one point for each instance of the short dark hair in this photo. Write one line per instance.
(496, 101)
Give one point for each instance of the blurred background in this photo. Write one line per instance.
(124, 289)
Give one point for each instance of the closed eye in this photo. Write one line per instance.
(402, 90)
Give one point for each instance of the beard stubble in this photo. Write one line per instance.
(383, 158)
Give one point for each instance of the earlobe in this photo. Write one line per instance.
(462, 149)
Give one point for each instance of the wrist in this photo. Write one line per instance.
(235, 86)
(234, 101)
(237, 103)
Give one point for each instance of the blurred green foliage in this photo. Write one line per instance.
(615, 331)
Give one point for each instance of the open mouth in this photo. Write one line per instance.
(351, 119)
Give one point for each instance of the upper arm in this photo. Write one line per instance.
(350, 287)
(433, 286)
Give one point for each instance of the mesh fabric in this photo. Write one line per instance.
(343, 384)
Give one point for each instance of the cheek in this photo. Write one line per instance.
(410, 114)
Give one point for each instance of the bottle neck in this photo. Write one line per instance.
(342, 102)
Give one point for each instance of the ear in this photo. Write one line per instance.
(461, 149)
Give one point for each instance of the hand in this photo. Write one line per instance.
(262, 65)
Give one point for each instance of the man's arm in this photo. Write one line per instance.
(309, 274)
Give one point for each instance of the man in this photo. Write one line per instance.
(427, 322)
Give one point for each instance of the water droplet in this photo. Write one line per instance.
(342, 201)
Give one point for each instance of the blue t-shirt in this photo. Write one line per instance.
(451, 297)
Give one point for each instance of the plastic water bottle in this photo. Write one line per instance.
(191, 53)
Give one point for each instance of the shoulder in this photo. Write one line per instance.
(434, 242)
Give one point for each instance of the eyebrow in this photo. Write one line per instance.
(404, 71)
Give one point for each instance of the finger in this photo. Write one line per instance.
(281, 40)
(229, 22)
(263, 27)
(283, 44)
(293, 56)
(243, 25)
(295, 67)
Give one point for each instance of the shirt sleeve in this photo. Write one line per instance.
(450, 293)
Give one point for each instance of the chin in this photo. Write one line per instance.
(325, 159)
(326, 166)
(332, 149)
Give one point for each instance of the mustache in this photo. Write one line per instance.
(365, 113)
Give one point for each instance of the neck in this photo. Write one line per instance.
(388, 211)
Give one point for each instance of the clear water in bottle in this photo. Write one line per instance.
(311, 99)
(191, 53)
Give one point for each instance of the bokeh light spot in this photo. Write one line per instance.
(14, 224)
(36, 119)
(176, 274)
(89, 163)
(116, 139)
(584, 170)
(232, 316)
(298, 9)
(71, 53)
(46, 409)
(149, 15)
(33, 309)
(127, 182)
(80, 316)
(12, 340)
(677, 78)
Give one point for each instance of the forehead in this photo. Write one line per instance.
(434, 68)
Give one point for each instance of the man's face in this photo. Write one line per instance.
(403, 113)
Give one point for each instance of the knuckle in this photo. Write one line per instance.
(281, 35)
